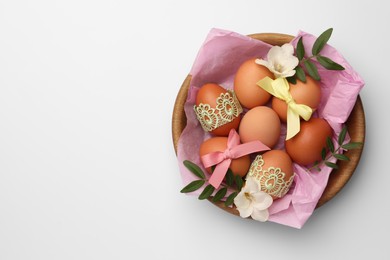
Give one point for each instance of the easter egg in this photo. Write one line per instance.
(217, 109)
(305, 147)
(308, 94)
(248, 92)
(238, 166)
(273, 171)
(260, 123)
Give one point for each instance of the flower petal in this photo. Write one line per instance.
(288, 48)
(277, 74)
(275, 53)
(281, 61)
(251, 185)
(262, 200)
(288, 74)
(260, 215)
(241, 201)
(290, 63)
(245, 212)
(262, 62)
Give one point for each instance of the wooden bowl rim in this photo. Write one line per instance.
(356, 128)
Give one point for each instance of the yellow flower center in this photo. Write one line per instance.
(248, 195)
(279, 67)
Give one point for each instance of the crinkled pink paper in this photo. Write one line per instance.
(217, 61)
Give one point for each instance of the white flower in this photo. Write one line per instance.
(281, 61)
(251, 201)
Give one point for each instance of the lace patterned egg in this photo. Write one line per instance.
(217, 109)
(274, 172)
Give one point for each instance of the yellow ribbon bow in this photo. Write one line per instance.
(280, 89)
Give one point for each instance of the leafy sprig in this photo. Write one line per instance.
(306, 64)
(234, 182)
(330, 151)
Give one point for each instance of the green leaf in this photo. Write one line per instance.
(300, 74)
(239, 182)
(193, 186)
(341, 157)
(342, 135)
(331, 165)
(316, 166)
(352, 145)
(329, 144)
(206, 192)
(213, 168)
(229, 177)
(323, 153)
(312, 70)
(300, 49)
(220, 194)
(292, 80)
(321, 41)
(328, 63)
(229, 201)
(195, 169)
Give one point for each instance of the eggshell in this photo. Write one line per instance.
(260, 123)
(239, 166)
(267, 174)
(305, 148)
(247, 91)
(208, 94)
(308, 93)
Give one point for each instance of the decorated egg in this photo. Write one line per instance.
(260, 123)
(248, 93)
(305, 148)
(217, 109)
(308, 94)
(238, 166)
(274, 172)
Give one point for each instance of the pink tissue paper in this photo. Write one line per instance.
(217, 61)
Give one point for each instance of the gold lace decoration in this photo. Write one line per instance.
(227, 109)
(271, 180)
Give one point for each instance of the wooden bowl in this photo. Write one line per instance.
(355, 123)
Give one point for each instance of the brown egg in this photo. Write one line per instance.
(260, 123)
(274, 172)
(248, 92)
(239, 166)
(208, 94)
(308, 93)
(305, 148)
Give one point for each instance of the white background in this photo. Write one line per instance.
(87, 166)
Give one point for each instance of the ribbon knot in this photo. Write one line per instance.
(280, 89)
(289, 100)
(234, 150)
(227, 154)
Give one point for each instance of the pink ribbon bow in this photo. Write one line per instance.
(223, 160)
